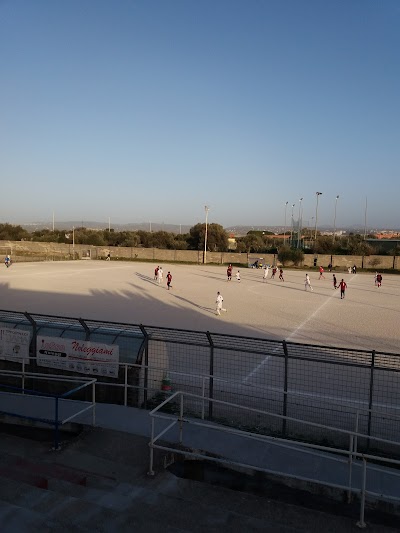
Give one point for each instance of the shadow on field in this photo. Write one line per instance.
(136, 302)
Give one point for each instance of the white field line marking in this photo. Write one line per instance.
(275, 350)
(310, 317)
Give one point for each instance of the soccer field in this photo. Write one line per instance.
(117, 291)
(318, 390)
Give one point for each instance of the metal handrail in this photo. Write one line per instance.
(298, 446)
(204, 377)
(56, 422)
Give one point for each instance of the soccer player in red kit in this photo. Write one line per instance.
(169, 279)
(343, 287)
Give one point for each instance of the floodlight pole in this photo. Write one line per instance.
(207, 209)
(334, 219)
(365, 218)
(318, 194)
(73, 242)
(284, 233)
(299, 224)
(291, 227)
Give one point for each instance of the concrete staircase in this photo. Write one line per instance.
(99, 483)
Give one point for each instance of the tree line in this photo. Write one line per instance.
(217, 240)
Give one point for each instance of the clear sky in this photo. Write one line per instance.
(145, 110)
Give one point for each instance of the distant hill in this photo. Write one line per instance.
(238, 230)
(90, 224)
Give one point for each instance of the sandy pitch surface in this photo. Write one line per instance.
(125, 291)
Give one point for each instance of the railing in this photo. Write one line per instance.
(57, 421)
(352, 454)
(352, 415)
(300, 374)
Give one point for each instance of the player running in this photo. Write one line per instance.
(335, 285)
(307, 283)
(321, 273)
(7, 261)
(379, 280)
(266, 271)
(219, 301)
(281, 274)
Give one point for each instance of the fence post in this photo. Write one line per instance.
(356, 431)
(56, 437)
(146, 365)
(86, 328)
(361, 523)
(151, 446)
(203, 391)
(94, 403)
(34, 334)
(181, 420)
(371, 392)
(126, 385)
(23, 376)
(350, 468)
(211, 374)
(285, 387)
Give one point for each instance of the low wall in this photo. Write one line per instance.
(46, 251)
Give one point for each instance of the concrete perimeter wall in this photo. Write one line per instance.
(47, 251)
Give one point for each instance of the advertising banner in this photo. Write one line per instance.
(14, 344)
(84, 357)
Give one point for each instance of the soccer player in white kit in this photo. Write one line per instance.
(219, 301)
(307, 283)
(160, 274)
(266, 270)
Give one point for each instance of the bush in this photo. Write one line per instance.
(297, 256)
(286, 254)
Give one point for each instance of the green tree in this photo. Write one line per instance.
(356, 245)
(8, 232)
(287, 254)
(217, 238)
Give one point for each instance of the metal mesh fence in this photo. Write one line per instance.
(338, 387)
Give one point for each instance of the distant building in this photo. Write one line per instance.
(386, 234)
(338, 233)
(232, 244)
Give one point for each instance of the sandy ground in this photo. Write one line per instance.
(124, 291)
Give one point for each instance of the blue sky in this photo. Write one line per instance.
(145, 110)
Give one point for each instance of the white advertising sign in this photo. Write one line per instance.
(14, 344)
(84, 357)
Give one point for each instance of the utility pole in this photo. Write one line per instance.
(334, 220)
(318, 194)
(284, 233)
(365, 218)
(299, 224)
(207, 209)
